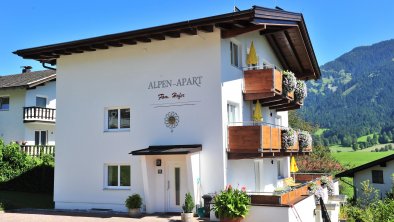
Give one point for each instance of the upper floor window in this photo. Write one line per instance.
(234, 50)
(117, 119)
(4, 103)
(41, 101)
(232, 113)
(377, 176)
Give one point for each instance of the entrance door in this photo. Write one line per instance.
(175, 186)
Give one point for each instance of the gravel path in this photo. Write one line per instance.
(71, 216)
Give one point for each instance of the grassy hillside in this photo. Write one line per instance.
(359, 158)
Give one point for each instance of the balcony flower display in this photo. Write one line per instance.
(289, 82)
(231, 204)
(300, 91)
(304, 139)
(288, 138)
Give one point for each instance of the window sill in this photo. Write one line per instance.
(116, 130)
(117, 188)
(4, 110)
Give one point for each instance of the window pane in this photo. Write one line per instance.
(112, 175)
(125, 118)
(37, 138)
(43, 138)
(113, 119)
(4, 103)
(377, 176)
(41, 102)
(177, 186)
(124, 175)
(235, 55)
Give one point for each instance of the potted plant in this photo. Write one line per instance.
(300, 92)
(231, 205)
(133, 203)
(312, 186)
(324, 180)
(289, 82)
(304, 139)
(187, 215)
(288, 138)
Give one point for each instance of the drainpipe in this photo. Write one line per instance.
(47, 67)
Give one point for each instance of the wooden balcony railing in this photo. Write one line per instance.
(262, 83)
(258, 140)
(39, 114)
(38, 150)
(254, 139)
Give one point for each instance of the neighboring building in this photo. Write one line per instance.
(379, 173)
(178, 98)
(28, 109)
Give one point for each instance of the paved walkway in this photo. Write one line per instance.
(72, 216)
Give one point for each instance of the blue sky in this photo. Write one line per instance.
(335, 26)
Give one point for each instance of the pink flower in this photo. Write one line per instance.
(229, 187)
(243, 189)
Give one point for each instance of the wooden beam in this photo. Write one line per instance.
(206, 28)
(174, 34)
(99, 46)
(143, 39)
(158, 37)
(288, 108)
(62, 52)
(238, 31)
(190, 31)
(293, 49)
(256, 96)
(225, 26)
(128, 41)
(115, 44)
(75, 50)
(87, 48)
(278, 52)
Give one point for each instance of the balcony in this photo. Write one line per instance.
(258, 139)
(262, 84)
(39, 114)
(38, 150)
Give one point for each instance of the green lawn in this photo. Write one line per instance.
(364, 138)
(336, 148)
(359, 158)
(15, 200)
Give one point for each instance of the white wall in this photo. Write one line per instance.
(120, 77)
(367, 175)
(11, 121)
(48, 91)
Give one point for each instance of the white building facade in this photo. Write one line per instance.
(28, 109)
(167, 95)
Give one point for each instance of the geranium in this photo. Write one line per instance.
(304, 139)
(231, 203)
(288, 138)
(300, 91)
(289, 82)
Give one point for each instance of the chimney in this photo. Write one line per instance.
(26, 69)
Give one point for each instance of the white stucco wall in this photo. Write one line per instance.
(11, 121)
(367, 175)
(47, 91)
(121, 77)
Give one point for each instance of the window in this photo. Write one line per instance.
(377, 176)
(41, 102)
(117, 176)
(231, 113)
(4, 103)
(40, 138)
(234, 51)
(117, 119)
(279, 168)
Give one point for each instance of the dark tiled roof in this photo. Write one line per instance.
(350, 173)
(28, 79)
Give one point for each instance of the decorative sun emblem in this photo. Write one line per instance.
(171, 120)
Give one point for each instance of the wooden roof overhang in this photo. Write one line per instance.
(285, 31)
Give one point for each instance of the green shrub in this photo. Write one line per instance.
(134, 201)
(231, 203)
(189, 204)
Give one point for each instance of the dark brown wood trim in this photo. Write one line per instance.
(238, 31)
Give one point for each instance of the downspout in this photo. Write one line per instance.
(47, 67)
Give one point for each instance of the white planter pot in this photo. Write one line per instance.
(187, 217)
(135, 212)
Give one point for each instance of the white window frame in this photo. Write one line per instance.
(9, 102)
(118, 187)
(236, 111)
(238, 59)
(41, 96)
(279, 167)
(106, 127)
(39, 137)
